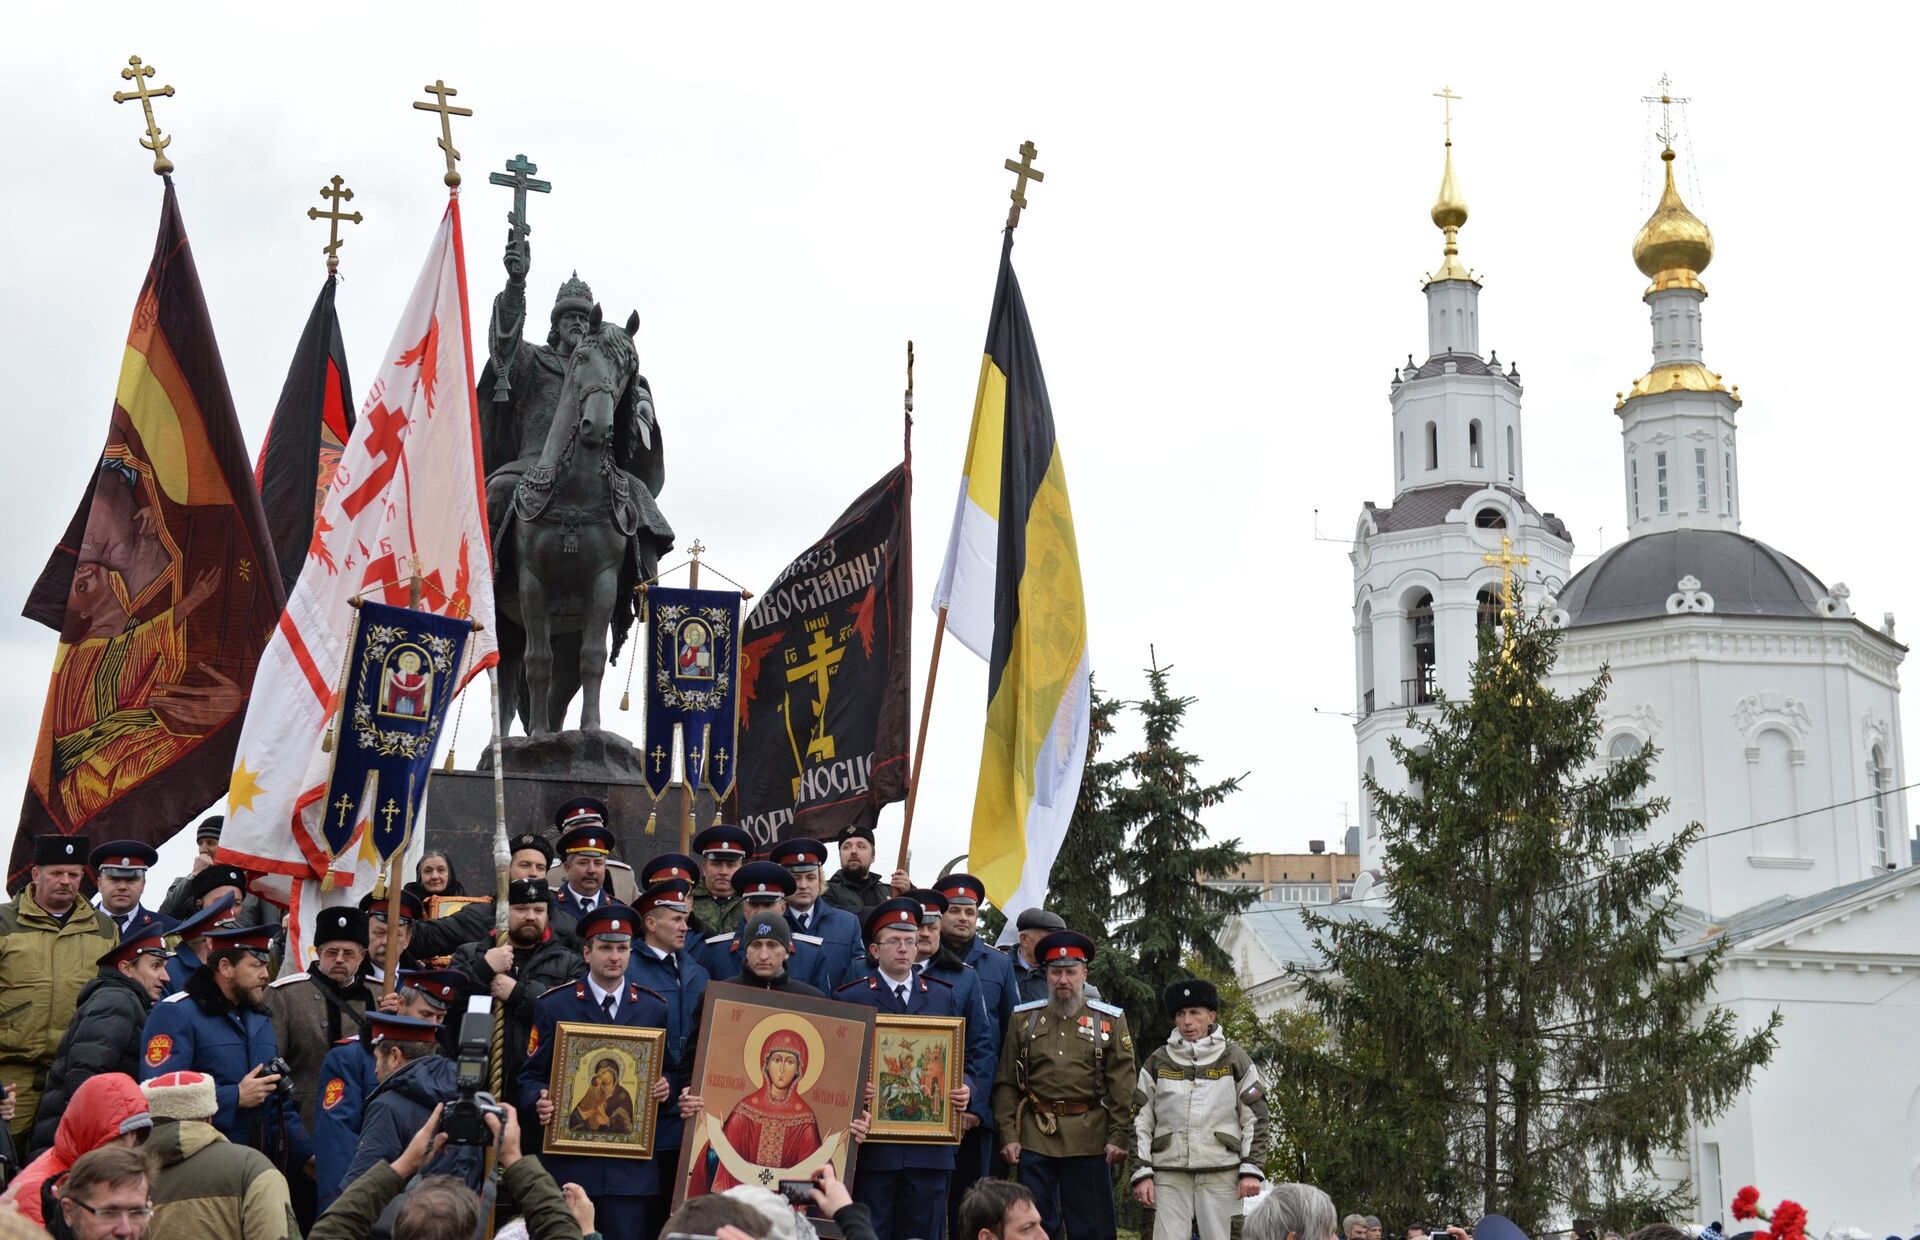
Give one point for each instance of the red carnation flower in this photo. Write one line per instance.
(1789, 1221)
(1744, 1202)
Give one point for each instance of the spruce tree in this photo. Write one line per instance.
(1513, 1039)
(1168, 912)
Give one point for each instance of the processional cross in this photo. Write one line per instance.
(337, 191)
(443, 92)
(1025, 171)
(521, 180)
(138, 74)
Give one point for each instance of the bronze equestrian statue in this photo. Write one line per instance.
(573, 456)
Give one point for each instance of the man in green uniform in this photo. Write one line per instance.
(50, 945)
(722, 848)
(1063, 1098)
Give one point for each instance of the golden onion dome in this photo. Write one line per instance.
(1674, 246)
(1449, 213)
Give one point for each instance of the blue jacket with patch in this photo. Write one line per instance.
(840, 938)
(346, 1078)
(639, 1007)
(397, 1108)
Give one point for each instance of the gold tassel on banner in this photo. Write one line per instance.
(652, 821)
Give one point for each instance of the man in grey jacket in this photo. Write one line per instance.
(1200, 1122)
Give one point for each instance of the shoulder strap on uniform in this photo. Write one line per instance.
(636, 986)
(175, 997)
(814, 939)
(1030, 1005)
(556, 989)
(722, 938)
(850, 983)
(1108, 1008)
(289, 980)
(930, 976)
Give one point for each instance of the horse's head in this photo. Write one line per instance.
(600, 371)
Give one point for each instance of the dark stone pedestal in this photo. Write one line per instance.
(459, 812)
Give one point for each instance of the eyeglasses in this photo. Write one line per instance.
(117, 1214)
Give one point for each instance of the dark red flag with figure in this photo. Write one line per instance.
(311, 423)
(164, 588)
(825, 661)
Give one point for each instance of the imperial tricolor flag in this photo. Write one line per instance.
(1011, 589)
(406, 500)
(163, 588)
(693, 679)
(311, 423)
(825, 658)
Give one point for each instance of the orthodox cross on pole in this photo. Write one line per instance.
(1025, 171)
(443, 92)
(336, 190)
(1507, 560)
(1448, 99)
(520, 182)
(1666, 99)
(138, 74)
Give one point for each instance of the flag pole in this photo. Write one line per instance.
(933, 668)
(501, 860)
(686, 776)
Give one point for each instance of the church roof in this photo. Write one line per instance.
(1781, 911)
(1428, 506)
(1744, 576)
(1463, 364)
(1281, 927)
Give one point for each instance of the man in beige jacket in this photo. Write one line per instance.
(207, 1186)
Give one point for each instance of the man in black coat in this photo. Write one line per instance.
(104, 1035)
(413, 1080)
(534, 959)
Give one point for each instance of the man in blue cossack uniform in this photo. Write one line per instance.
(585, 844)
(661, 963)
(763, 888)
(120, 871)
(217, 1026)
(904, 1186)
(620, 1187)
(347, 1077)
(838, 930)
(218, 905)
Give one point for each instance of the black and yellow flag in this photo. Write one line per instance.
(1011, 589)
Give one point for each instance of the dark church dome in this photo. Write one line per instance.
(1743, 576)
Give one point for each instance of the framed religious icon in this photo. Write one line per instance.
(447, 906)
(781, 1078)
(916, 1061)
(602, 1080)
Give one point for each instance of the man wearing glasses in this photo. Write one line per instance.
(104, 1196)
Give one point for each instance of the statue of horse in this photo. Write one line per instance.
(580, 534)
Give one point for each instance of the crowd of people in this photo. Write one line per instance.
(159, 1082)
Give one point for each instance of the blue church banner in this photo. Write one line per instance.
(402, 669)
(693, 679)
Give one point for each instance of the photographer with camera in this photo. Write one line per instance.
(217, 1026)
(347, 1080)
(413, 1082)
(439, 1207)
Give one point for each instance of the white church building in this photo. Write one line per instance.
(1775, 710)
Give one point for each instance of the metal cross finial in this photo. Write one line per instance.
(138, 74)
(1507, 560)
(337, 191)
(1025, 171)
(443, 92)
(1666, 99)
(697, 550)
(521, 180)
(1448, 99)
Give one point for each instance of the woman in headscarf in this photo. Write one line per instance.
(108, 1107)
(433, 876)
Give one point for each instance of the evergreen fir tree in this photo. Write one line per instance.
(1168, 911)
(1514, 1039)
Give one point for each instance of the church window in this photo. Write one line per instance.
(1366, 658)
(1623, 749)
(1660, 480)
(1400, 453)
(1418, 690)
(1633, 485)
(1473, 443)
(1774, 799)
(1433, 446)
(1510, 458)
(1882, 839)
(1490, 519)
(1700, 477)
(1486, 607)
(1729, 493)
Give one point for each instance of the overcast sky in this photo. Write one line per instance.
(1222, 268)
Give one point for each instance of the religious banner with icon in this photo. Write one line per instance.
(825, 660)
(692, 680)
(163, 588)
(783, 1076)
(402, 668)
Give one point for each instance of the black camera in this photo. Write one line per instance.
(464, 1120)
(277, 1066)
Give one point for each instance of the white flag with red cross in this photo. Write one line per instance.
(407, 499)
